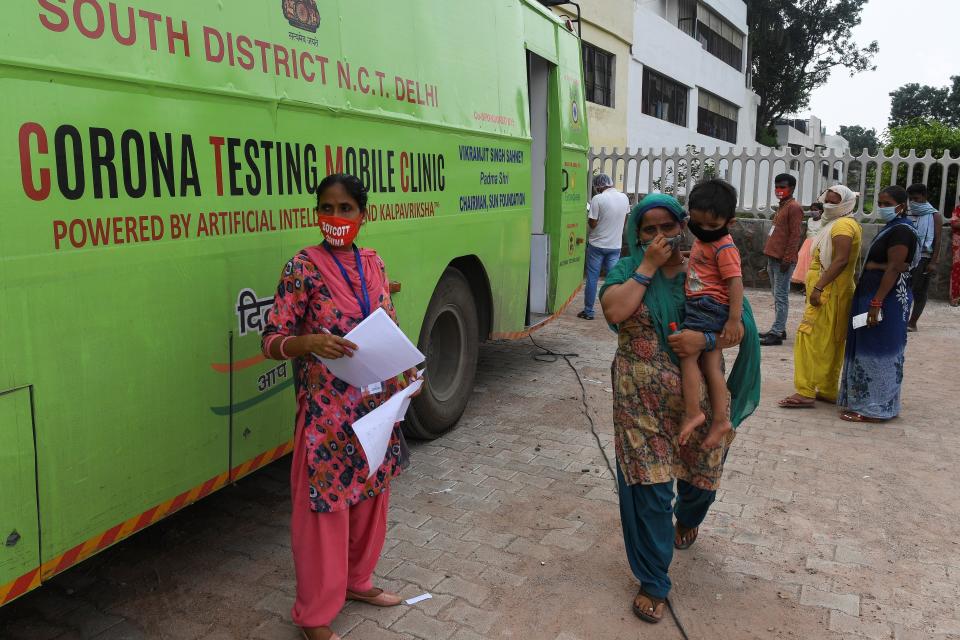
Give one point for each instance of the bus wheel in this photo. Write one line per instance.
(450, 338)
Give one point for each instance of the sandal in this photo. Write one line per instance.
(685, 537)
(585, 315)
(377, 597)
(825, 399)
(652, 611)
(795, 402)
(330, 635)
(853, 416)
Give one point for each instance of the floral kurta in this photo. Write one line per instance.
(648, 410)
(326, 405)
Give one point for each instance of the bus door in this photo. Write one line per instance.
(19, 528)
(539, 73)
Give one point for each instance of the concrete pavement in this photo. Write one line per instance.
(822, 529)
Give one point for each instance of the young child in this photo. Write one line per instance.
(714, 305)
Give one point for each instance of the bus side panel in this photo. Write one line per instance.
(19, 535)
(119, 334)
(399, 59)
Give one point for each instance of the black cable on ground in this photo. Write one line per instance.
(549, 356)
(553, 357)
(679, 624)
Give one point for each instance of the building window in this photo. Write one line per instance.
(663, 98)
(598, 74)
(715, 34)
(717, 118)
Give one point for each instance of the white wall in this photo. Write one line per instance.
(735, 11)
(659, 44)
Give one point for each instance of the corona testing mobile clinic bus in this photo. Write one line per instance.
(157, 163)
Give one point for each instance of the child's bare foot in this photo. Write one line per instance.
(718, 431)
(688, 426)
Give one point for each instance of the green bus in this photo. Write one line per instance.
(157, 168)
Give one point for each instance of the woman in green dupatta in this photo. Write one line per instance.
(641, 298)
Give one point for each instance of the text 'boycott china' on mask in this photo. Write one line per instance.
(339, 232)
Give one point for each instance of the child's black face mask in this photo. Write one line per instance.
(707, 235)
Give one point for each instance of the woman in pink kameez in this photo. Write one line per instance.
(339, 515)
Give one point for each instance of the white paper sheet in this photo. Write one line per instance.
(421, 598)
(374, 429)
(860, 321)
(383, 352)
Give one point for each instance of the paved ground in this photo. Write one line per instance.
(823, 529)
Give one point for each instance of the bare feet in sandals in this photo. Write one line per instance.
(319, 633)
(853, 416)
(718, 431)
(648, 608)
(683, 537)
(797, 401)
(689, 425)
(376, 597)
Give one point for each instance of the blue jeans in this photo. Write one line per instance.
(780, 283)
(597, 258)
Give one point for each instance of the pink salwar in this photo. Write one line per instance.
(332, 552)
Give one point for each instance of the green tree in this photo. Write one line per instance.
(794, 47)
(921, 136)
(860, 139)
(921, 101)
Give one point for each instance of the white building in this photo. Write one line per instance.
(689, 77)
(810, 135)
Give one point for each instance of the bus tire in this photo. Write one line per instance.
(450, 338)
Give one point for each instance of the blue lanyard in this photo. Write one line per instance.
(365, 301)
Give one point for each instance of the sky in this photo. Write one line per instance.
(919, 42)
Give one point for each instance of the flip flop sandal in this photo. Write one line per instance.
(853, 416)
(792, 403)
(683, 532)
(652, 614)
(380, 599)
(332, 635)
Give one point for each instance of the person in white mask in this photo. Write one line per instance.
(821, 336)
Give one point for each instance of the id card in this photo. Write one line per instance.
(372, 389)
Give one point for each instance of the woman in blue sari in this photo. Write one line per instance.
(873, 362)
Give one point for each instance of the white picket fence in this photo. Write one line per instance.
(752, 171)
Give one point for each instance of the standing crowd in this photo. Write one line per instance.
(675, 313)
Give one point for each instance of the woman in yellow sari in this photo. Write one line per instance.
(818, 351)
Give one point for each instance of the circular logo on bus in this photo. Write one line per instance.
(575, 112)
(302, 14)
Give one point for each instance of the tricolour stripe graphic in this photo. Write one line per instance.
(115, 534)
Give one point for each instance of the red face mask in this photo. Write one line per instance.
(339, 232)
(783, 192)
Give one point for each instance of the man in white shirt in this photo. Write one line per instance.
(608, 213)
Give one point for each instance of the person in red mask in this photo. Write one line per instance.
(339, 515)
(782, 248)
